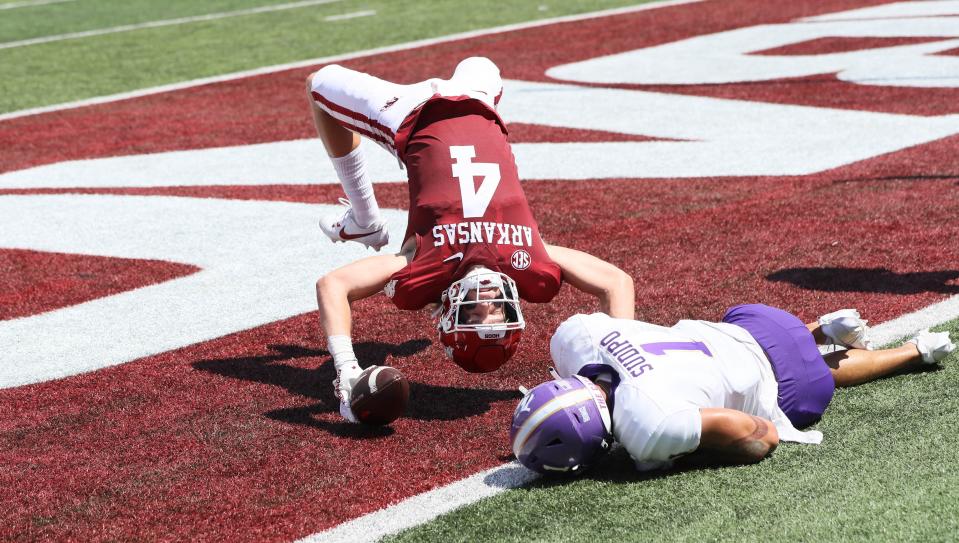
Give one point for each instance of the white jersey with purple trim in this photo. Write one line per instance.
(666, 375)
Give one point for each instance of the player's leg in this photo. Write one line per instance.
(337, 139)
(477, 77)
(856, 366)
(346, 104)
(337, 122)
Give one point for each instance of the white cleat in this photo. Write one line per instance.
(343, 388)
(846, 328)
(347, 413)
(933, 346)
(342, 227)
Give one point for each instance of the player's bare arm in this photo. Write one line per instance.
(338, 289)
(610, 285)
(733, 437)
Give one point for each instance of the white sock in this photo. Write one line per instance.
(351, 169)
(344, 360)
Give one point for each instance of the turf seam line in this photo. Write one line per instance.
(336, 58)
(162, 23)
(30, 4)
(353, 15)
(427, 506)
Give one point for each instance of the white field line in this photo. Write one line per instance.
(30, 4)
(908, 324)
(164, 22)
(353, 15)
(425, 507)
(337, 58)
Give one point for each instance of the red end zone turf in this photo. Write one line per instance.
(238, 438)
(35, 281)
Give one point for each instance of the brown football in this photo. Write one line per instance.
(380, 395)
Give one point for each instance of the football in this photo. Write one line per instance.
(380, 395)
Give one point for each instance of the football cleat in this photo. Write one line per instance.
(846, 328)
(933, 346)
(347, 413)
(343, 388)
(342, 227)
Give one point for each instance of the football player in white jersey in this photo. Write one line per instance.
(727, 391)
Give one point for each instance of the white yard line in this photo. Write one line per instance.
(30, 4)
(164, 22)
(353, 15)
(425, 507)
(908, 324)
(337, 58)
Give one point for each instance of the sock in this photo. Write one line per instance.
(344, 360)
(351, 169)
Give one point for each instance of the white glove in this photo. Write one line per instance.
(933, 346)
(845, 327)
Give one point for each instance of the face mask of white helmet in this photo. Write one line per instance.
(483, 301)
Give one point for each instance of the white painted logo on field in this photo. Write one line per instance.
(725, 57)
(723, 138)
(259, 262)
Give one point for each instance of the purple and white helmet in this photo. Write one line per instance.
(561, 425)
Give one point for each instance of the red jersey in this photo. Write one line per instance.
(467, 207)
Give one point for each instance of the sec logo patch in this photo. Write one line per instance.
(520, 260)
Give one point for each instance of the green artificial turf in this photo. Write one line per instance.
(886, 471)
(52, 73)
(85, 15)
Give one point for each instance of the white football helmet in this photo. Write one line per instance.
(474, 345)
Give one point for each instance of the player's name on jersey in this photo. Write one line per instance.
(483, 232)
(625, 354)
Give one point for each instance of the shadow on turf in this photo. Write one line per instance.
(868, 280)
(427, 402)
(615, 467)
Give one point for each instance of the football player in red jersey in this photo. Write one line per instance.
(471, 244)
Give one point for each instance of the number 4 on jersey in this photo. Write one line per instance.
(475, 200)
